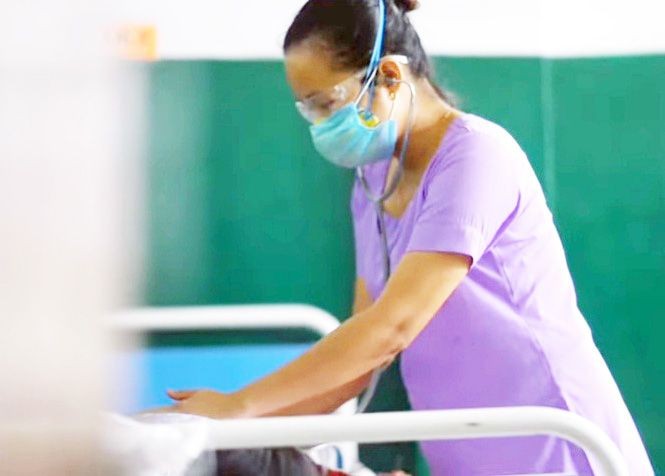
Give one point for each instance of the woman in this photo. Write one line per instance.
(479, 300)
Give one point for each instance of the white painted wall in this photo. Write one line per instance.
(603, 27)
(250, 29)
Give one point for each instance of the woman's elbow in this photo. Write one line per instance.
(390, 333)
(395, 338)
(402, 322)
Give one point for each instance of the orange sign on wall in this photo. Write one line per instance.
(137, 42)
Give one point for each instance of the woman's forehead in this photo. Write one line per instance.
(310, 70)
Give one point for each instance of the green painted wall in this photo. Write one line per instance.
(242, 209)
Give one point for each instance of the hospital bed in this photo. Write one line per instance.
(345, 426)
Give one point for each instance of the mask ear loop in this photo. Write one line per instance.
(364, 90)
(365, 87)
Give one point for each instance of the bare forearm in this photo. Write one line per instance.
(328, 402)
(361, 344)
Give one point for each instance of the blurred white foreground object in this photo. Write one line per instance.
(154, 444)
(68, 201)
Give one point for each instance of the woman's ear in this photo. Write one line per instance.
(391, 74)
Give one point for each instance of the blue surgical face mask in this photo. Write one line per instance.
(346, 139)
(352, 138)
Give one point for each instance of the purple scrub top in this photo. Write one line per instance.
(511, 333)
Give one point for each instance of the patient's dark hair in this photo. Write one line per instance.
(348, 29)
(264, 461)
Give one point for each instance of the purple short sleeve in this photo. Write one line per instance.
(469, 193)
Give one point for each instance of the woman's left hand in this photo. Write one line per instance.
(208, 403)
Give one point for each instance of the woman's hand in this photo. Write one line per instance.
(208, 403)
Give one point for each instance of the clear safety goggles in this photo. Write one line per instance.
(323, 104)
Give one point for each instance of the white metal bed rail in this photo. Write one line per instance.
(418, 426)
(250, 316)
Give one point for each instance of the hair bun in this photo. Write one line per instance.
(407, 5)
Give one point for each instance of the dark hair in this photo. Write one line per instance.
(349, 28)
